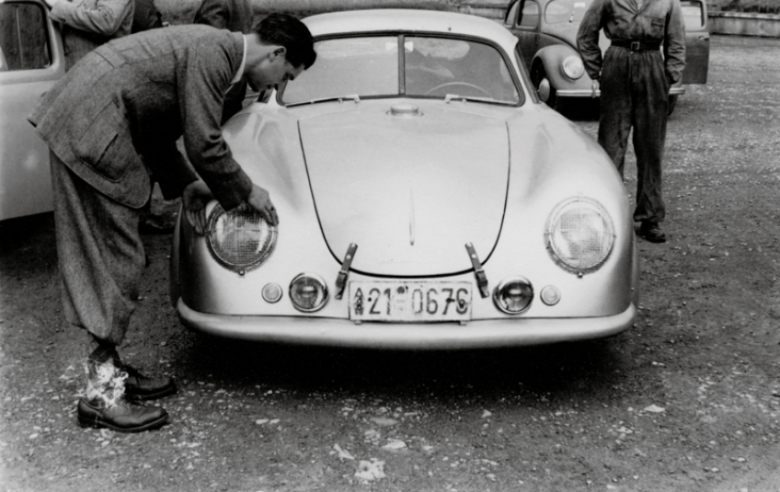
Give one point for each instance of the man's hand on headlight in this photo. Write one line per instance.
(194, 199)
(260, 200)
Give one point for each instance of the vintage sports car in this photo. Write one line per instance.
(426, 198)
(547, 33)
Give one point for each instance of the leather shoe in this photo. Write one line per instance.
(122, 417)
(141, 388)
(652, 232)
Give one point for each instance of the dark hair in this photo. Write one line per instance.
(285, 30)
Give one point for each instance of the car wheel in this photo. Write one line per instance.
(544, 88)
(672, 103)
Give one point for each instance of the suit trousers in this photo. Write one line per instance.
(100, 253)
(635, 93)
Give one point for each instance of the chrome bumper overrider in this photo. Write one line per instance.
(675, 91)
(345, 333)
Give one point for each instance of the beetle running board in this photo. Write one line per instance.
(482, 280)
(341, 280)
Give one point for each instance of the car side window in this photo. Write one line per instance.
(511, 14)
(529, 17)
(693, 15)
(24, 37)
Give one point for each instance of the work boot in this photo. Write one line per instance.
(650, 231)
(142, 388)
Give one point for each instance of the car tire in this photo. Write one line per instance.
(672, 104)
(543, 87)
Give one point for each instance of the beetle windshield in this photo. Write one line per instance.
(404, 66)
(559, 11)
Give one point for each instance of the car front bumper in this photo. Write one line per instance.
(345, 333)
(582, 93)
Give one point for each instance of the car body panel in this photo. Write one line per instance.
(31, 67)
(309, 157)
(546, 44)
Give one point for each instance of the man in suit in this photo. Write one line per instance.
(112, 124)
(86, 24)
(235, 16)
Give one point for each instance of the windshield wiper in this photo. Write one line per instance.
(340, 99)
(488, 100)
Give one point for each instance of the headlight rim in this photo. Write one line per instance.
(566, 66)
(548, 234)
(241, 269)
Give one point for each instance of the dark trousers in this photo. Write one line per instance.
(100, 253)
(635, 93)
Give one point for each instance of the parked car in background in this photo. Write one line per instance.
(547, 42)
(31, 61)
(426, 198)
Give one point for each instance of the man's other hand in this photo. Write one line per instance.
(260, 200)
(594, 86)
(194, 199)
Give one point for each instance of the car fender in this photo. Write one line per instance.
(551, 58)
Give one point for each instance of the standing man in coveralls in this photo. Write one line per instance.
(635, 78)
(112, 124)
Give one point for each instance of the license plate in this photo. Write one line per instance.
(405, 301)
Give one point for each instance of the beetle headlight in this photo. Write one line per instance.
(308, 292)
(580, 235)
(241, 239)
(572, 67)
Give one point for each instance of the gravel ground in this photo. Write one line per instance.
(687, 400)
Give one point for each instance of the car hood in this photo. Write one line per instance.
(409, 188)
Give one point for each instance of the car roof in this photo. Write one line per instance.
(378, 20)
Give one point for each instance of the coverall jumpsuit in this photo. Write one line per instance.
(635, 78)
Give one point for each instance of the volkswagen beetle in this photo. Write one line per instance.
(547, 34)
(426, 199)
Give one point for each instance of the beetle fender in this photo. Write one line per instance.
(551, 57)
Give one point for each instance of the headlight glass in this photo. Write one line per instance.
(572, 67)
(241, 239)
(580, 235)
(308, 292)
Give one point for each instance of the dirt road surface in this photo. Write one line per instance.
(688, 400)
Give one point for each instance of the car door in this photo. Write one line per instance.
(31, 60)
(697, 41)
(523, 17)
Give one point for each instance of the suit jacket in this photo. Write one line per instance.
(86, 24)
(115, 117)
(236, 16)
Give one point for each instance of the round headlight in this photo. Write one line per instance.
(572, 67)
(580, 235)
(513, 295)
(308, 292)
(241, 239)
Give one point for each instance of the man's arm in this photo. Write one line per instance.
(674, 43)
(203, 79)
(588, 38)
(105, 18)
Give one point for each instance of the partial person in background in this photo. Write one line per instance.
(635, 78)
(235, 16)
(146, 16)
(86, 24)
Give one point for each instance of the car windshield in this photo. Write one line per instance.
(559, 11)
(426, 67)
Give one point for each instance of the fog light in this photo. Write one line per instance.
(550, 295)
(308, 292)
(272, 293)
(513, 295)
